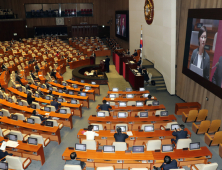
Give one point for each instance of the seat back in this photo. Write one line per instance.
(6, 113)
(20, 116)
(112, 103)
(14, 162)
(202, 115)
(14, 99)
(212, 166)
(90, 144)
(149, 102)
(72, 167)
(204, 126)
(25, 103)
(215, 125)
(120, 146)
(217, 138)
(183, 143)
(153, 145)
(106, 112)
(37, 105)
(18, 133)
(168, 125)
(68, 111)
(192, 115)
(105, 168)
(100, 126)
(52, 108)
(158, 112)
(50, 97)
(23, 89)
(130, 103)
(39, 138)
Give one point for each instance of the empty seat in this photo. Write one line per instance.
(191, 117)
(4, 132)
(17, 163)
(210, 166)
(6, 113)
(214, 126)
(105, 168)
(36, 104)
(143, 126)
(158, 112)
(52, 108)
(106, 112)
(67, 109)
(25, 103)
(202, 115)
(72, 167)
(202, 128)
(20, 116)
(120, 146)
(183, 143)
(153, 145)
(214, 139)
(19, 135)
(168, 125)
(41, 140)
(36, 119)
(131, 103)
(90, 144)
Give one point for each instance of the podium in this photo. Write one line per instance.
(92, 60)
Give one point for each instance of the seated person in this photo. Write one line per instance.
(40, 92)
(47, 84)
(53, 74)
(81, 89)
(55, 103)
(65, 90)
(149, 98)
(35, 113)
(50, 93)
(27, 86)
(36, 68)
(168, 164)
(90, 134)
(18, 79)
(179, 133)
(105, 106)
(135, 53)
(73, 161)
(145, 75)
(128, 52)
(33, 76)
(30, 98)
(4, 153)
(120, 137)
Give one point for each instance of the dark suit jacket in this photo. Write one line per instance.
(105, 107)
(107, 61)
(135, 54)
(139, 62)
(3, 66)
(144, 73)
(56, 104)
(120, 137)
(205, 65)
(75, 162)
(3, 154)
(37, 67)
(218, 74)
(140, 70)
(30, 100)
(33, 76)
(180, 135)
(40, 93)
(171, 165)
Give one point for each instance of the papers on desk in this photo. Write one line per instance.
(90, 74)
(12, 144)
(3, 146)
(129, 133)
(86, 90)
(112, 98)
(152, 97)
(55, 118)
(131, 62)
(47, 114)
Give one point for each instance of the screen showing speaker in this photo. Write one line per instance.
(122, 24)
(203, 52)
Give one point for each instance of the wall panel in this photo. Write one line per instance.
(186, 88)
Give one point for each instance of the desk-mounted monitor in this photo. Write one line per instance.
(36, 95)
(50, 88)
(49, 123)
(14, 117)
(12, 137)
(96, 127)
(20, 103)
(139, 104)
(164, 113)
(149, 128)
(42, 86)
(145, 95)
(73, 101)
(175, 126)
(10, 100)
(115, 89)
(63, 111)
(100, 114)
(195, 145)
(167, 148)
(64, 83)
(60, 91)
(156, 103)
(4, 165)
(129, 89)
(82, 81)
(20, 89)
(144, 114)
(122, 104)
(75, 86)
(71, 92)
(138, 149)
(1, 96)
(47, 109)
(121, 114)
(32, 141)
(129, 96)
(141, 89)
(1, 113)
(60, 99)
(109, 148)
(112, 96)
(33, 106)
(30, 120)
(48, 97)
(80, 147)
(93, 82)
(82, 94)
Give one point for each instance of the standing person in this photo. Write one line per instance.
(90, 134)
(135, 53)
(107, 63)
(36, 68)
(217, 77)
(30, 99)
(199, 57)
(92, 60)
(144, 73)
(105, 106)
(119, 136)
(40, 92)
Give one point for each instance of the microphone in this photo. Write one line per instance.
(216, 65)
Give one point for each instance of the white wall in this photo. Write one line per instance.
(159, 39)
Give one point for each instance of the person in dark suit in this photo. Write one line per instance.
(139, 69)
(120, 137)
(144, 73)
(33, 76)
(105, 106)
(139, 62)
(55, 103)
(73, 161)
(135, 53)
(30, 99)
(217, 77)
(128, 52)
(107, 64)
(168, 164)
(80, 90)
(27, 86)
(35, 113)
(4, 66)
(65, 90)
(36, 68)
(149, 98)
(199, 57)
(18, 79)
(40, 92)
(4, 153)
(53, 74)
(179, 133)
(94, 58)
(47, 84)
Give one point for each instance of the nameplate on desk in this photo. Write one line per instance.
(127, 151)
(130, 122)
(153, 121)
(93, 115)
(180, 159)
(99, 150)
(161, 137)
(89, 160)
(107, 122)
(114, 117)
(34, 130)
(132, 138)
(149, 161)
(112, 130)
(71, 148)
(103, 137)
(157, 115)
(119, 161)
(185, 149)
(136, 116)
(167, 129)
(157, 150)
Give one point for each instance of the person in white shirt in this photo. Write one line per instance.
(90, 134)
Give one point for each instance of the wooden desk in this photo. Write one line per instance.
(134, 110)
(122, 99)
(68, 97)
(47, 132)
(79, 63)
(41, 77)
(25, 150)
(106, 137)
(134, 160)
(66, 119)
(135, 81)
(186, 107)
(4, 79)
(90, 93)
(134, 123)
(94, 87)
(124, 93)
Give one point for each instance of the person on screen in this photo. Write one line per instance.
(118, 26)
(179, 134)
(119, 136)
(168, 164)
(105, 106)
(73, 161)
(199, 57)
(217, 77)
(123, 29)
(90, 134)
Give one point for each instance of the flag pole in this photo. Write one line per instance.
(141, 46)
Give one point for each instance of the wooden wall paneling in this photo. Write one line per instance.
(217, 109)
(209, 104)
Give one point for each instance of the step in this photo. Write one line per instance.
(160, 85)
(157, 79)
(160, 82)
(161, 89)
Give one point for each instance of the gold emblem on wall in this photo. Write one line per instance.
(149, 11)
